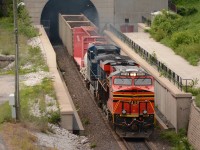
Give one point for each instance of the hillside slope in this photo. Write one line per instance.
(180, 31)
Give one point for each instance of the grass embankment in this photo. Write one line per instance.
(29, 95)
(181, 32)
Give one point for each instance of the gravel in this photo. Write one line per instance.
(35, 78)
(96, 129)
(62, 139)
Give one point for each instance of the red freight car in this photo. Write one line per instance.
(82, 37)
(76, 32)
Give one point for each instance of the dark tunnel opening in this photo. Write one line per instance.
(49, 17)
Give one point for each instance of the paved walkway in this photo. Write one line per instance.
(167, 56)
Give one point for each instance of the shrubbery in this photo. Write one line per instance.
(165, 25)
(25, 26)
(24, 22)
(178, 141)
(183, 11)
(178, 33)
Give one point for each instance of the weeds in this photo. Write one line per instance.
(35, 94)
(181, 33)
(12, 133)
(197, 100)
(5, 112)
(86, 121)
(54, 117)
(178, 140)
(93, 145)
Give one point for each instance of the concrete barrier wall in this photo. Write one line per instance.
(175, 107)
(194, 127)
(69, 117)
(166, 103)
(135, 9)
(35, 8)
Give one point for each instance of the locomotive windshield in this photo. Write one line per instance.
(142, 81)
(123, 81)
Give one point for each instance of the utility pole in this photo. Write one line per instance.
(17, 100)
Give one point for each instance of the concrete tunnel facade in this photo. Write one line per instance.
(49, 15)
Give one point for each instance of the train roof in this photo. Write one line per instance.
(115, 59)
(103, 47)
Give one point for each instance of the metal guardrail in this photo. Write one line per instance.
(151, 59)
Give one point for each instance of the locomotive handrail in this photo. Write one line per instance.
(152, 60)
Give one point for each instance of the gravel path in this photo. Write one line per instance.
(95, 128)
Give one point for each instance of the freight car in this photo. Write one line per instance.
(120, 86)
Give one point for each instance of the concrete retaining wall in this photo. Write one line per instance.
(35, 8)
(69, 117)
(109, 11)
(135, 9)
(174, 106)
(194, 127)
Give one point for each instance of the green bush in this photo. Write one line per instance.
(197, 100)
(184, 1)
(5, 112)
(190, 52)
(186, 11)
(178, 140)
(181, 33)
(165, 24)
(54, 117)
(180, 38)
(25, 26)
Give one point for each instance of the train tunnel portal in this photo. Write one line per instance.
(49, 16)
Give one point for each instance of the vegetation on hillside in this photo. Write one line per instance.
(29, 95)
(180, 31)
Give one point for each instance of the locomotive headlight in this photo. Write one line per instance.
(123, 112)
(145, 112)
(133, 74)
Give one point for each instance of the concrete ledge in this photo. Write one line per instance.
(142, 27)
(62, 94)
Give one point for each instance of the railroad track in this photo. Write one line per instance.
(137, 144)
(129, 144)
